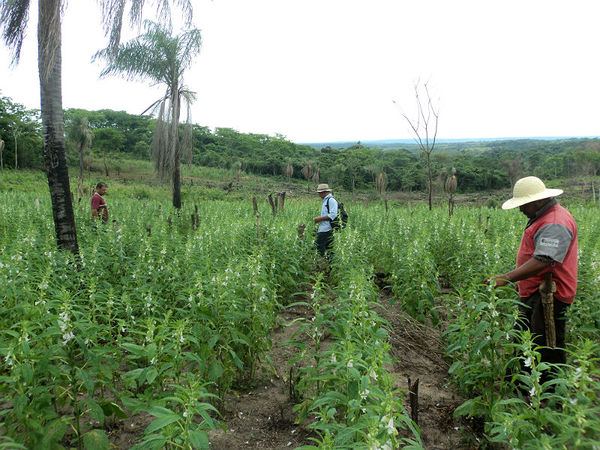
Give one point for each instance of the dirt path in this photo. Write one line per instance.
(263, 418)
(418, 353)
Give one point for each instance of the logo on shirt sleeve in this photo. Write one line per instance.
(547, 242)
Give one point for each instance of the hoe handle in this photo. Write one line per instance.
(547, 289)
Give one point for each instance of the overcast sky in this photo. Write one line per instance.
(328, 70)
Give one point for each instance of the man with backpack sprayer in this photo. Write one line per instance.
(546, 265)
(329, 213)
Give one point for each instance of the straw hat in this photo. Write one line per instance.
(527, 190)
(323, 187)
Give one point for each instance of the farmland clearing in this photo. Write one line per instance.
(167, 332)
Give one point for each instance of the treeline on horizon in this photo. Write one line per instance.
(479, 166)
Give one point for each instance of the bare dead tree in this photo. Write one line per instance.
(424, 127)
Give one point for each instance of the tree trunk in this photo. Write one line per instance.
(81, 164)
(105, 165)
(49, 65)
(175, 137)
(429, 180)
(16, 159)
(176, 179)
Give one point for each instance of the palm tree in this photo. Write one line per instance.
(161, 58)
(14, 15)
(81, 135)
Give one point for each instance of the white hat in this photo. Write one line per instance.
(527, 190)
(323, 187)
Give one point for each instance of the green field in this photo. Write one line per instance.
(159, 318)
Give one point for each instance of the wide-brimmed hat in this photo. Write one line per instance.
(527, 190)
(323, 187)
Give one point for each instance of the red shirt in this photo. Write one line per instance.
(98, 203)
(538, 240)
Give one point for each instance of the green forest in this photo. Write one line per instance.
(480, 166)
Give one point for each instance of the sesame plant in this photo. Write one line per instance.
(155, 315)
(343, 389)
(421, 252)
(163, 316)
(478, 341)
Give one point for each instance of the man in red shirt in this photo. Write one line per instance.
(99, 207)
(549, 244)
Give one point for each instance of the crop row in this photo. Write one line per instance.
(162, 317)
(155, 317)
(343, 386)
(424, 253)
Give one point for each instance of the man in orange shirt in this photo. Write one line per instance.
(99, 207)
(549, 244)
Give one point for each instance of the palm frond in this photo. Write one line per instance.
(113, 12)
(112, 17)
(187, 138)
(14, 15)
(160, 143)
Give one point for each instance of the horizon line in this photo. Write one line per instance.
(413, 141)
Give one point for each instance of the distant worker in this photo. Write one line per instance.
(99, 207)
(548, 245)
(329, 212)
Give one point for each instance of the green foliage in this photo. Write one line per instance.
(21, 129)
(167, 319)
(142, 321)
(344, 386)
(480, 166)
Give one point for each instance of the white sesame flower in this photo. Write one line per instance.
(532, 391)
(67, 337)
(528, 361)
(349, 365)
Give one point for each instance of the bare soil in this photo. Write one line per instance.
(262, 417)
(417, 350)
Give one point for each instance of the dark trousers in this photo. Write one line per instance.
(532, 318)
(324, 242)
